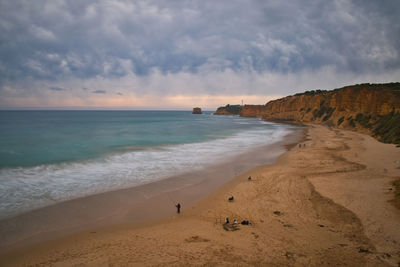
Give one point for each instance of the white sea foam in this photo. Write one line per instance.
(24, 189)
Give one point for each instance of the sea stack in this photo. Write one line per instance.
(196, 111)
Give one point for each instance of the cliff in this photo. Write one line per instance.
(326, 106)
(252, 111)
(229, 110)
(369, 108)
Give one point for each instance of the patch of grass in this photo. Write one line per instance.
(394, 87)
(359, 116)
(313, 92)
(340, 121)
(388, 128)
(363, 120)
(315, 112)
(321, 111)
(396, 200)
(391, 86)
(329, 113)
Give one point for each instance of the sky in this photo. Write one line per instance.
(181, 54)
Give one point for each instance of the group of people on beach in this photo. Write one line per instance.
(244, 222)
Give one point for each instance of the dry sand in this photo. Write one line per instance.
(325, 203)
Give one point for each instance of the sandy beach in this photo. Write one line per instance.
(327, 201)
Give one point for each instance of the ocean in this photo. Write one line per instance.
(51, 156)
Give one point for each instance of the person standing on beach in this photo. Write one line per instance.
(178, 208)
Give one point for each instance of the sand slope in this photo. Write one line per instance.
(322, 204)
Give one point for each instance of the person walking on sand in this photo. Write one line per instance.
(178, 208)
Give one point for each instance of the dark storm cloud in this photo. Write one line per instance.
(55, 40)
(99, 92)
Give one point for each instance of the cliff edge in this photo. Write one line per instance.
(229, 110)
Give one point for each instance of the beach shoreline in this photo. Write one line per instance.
(137, 205)
(324, 202)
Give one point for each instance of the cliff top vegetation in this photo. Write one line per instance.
(395, 86)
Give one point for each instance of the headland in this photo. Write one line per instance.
(372, 109)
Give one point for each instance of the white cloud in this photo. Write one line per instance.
(42, 33)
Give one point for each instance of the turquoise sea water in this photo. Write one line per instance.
(29, 138)
(51, 156)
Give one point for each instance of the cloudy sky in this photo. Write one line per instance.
(179, 54)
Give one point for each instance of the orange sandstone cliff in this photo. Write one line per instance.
(369, 108)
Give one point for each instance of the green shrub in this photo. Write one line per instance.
(388, 128)
(314, 92)
(322, 111)
(329, 113)
(340, 121)
(363, 120)
(315, 113)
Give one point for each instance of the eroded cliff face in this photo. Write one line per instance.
(368, 108)
(252, 111)
(329, 106)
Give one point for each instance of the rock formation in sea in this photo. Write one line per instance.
(196, 110)
(369, 108)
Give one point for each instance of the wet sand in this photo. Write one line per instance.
(325, 202)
